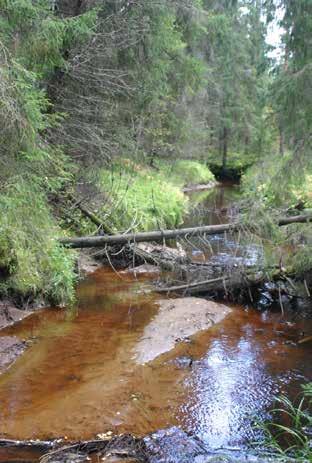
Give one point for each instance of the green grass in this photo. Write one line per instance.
(185, 172)
(141, 198)
(32, 263)
(292, 439)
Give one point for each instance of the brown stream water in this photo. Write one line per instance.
(79, 377)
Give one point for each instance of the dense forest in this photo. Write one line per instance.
(109, 109)
(88, 88)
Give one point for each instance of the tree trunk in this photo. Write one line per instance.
(281, 142)
(225, 148)
(160, 235)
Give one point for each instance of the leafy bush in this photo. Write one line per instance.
(276, 182)
(238, 161)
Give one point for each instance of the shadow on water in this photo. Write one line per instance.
(79, 377)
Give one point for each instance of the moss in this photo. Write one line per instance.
(235, 160)
(29, 248)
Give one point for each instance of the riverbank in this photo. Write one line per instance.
(35, 270)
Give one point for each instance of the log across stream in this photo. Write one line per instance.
(80, 375)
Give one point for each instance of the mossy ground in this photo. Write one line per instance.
(146, 198)
(185, 172)
(237, 164)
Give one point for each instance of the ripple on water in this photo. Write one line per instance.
(79, 378)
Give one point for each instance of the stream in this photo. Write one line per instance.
(79, 377)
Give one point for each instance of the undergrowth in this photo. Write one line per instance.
(33, 41)
(275, 188)
(288, 434)
(141, 198)
(186, 172)
(238, 161)
(32, 262)
(276, 183)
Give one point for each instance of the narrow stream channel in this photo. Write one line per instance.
(79, 377)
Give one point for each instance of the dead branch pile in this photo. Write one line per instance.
(119, 448)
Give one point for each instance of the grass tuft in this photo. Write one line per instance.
(289, 432)
(140, 198)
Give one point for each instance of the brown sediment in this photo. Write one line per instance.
(87, 263)
(9, 314)
(80, 378)
(10, 349)
(176, 320)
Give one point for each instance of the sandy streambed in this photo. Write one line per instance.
(176, 320)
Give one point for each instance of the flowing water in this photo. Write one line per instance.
(79, 377)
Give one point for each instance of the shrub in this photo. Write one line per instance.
(36, 264)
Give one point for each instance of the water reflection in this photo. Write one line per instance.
(228, 387)
(79, 377)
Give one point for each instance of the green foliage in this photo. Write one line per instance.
(274, 184)
(34, 43)
(40, 38)
(291, 91)
(301, 261)
(141, 199)
(186, 172)
(238, 161)
(293, 438)
(36, 264)
(162, 79)
(237, 77)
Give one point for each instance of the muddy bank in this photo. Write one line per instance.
(87, 263)
(10, 349)
(10, 314)
(199, 187)
(176, 320)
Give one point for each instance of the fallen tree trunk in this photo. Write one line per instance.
(295, 219)
(91, 216)
(102, 241)
(98, 241)
(224, 283)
